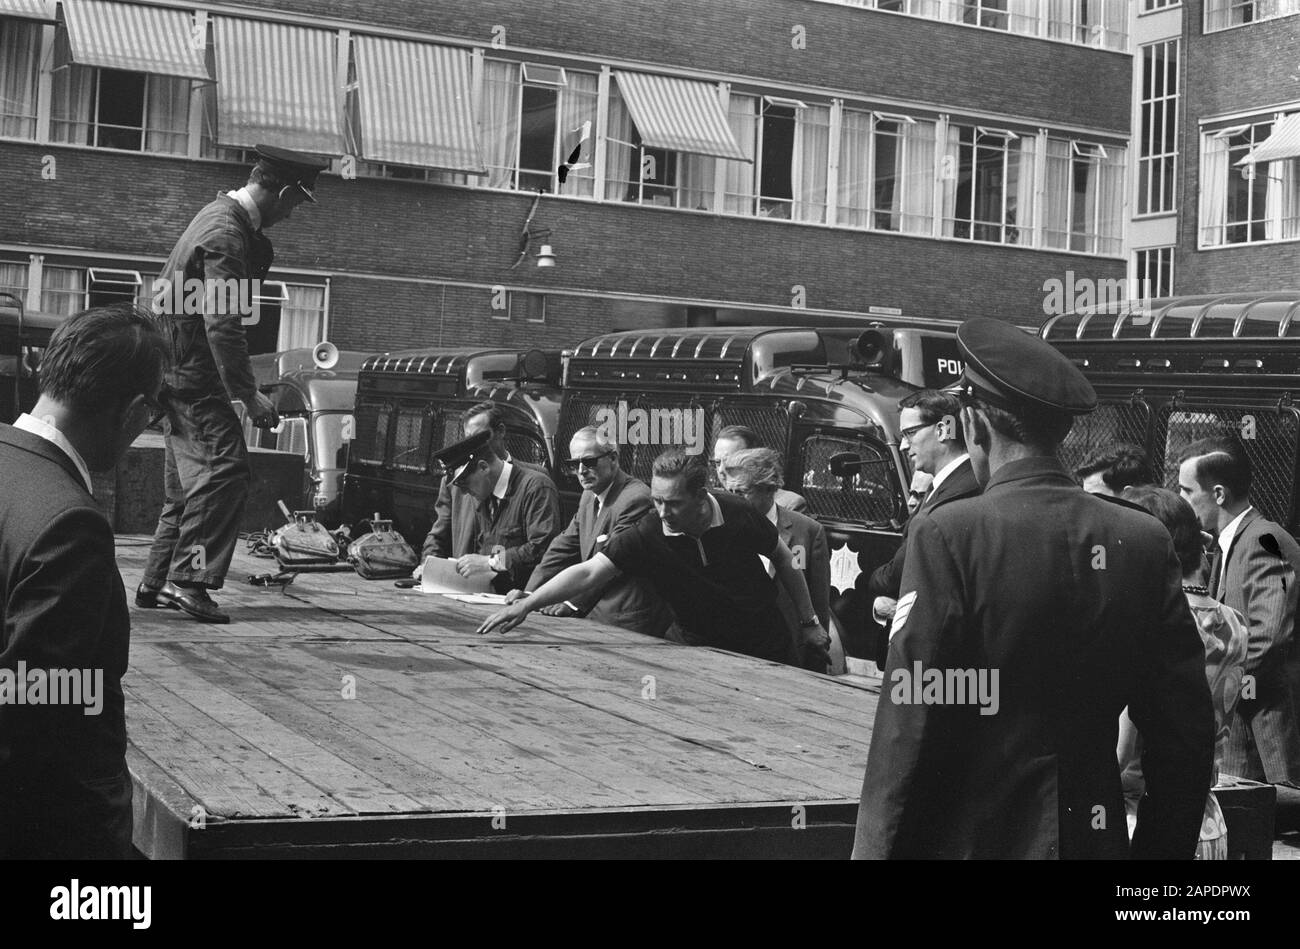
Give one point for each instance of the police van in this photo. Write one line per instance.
(1170, 371)
(826, 398)
(409, 404)
(24, 334)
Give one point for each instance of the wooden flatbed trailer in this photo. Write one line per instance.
(345, 718)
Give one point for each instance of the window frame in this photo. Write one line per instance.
(1147, 108)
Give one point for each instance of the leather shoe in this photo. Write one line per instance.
(194, 601)
(147, 597)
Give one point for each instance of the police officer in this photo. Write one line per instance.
(1028, 618)
(202, 296)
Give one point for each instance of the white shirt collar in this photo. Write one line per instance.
(771, 513)
(248, 204)
(499, 492)
(1229, 532)
(600, 498)
(942, 474)
(45, 430)
(717, 520)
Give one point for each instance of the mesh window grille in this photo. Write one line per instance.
(871, 495)
(410, 439)
(1110, 424)
(372, 432)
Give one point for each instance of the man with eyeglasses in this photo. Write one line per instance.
(612, 501)
(930, 435)
(64, 788)
(206, 476)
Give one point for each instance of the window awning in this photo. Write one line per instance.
(28, 9)
(1283, 143)
(277, 84)
(415, 105)
(135, 38)
(682, 115)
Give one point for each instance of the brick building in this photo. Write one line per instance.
(737, 160)
(1217, 156)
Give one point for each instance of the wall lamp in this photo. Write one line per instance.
(545, 254)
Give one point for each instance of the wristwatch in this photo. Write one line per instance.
(495, 562)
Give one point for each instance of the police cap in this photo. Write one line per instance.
(457, 457)
(1009, 368)
(293, 168)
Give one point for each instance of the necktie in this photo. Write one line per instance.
(1216, 567)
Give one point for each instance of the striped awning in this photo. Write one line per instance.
(28, 9)
(415, 106)
(1283, 143)
(134, 38)
(277, 84)
(682, 115)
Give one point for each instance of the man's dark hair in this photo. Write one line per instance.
(1040, 429)
(676, 463)
(496, 415)
(104, 356)
(741, 433)
(1120, 466)
(263, 175)
(1221, 459)
(1179, 519)
(933, 406)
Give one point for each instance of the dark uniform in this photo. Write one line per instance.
(207, 473)
(1077, 605)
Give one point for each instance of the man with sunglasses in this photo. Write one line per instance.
(930, 435)
(64, 788)
(206, 474)
(611, 502)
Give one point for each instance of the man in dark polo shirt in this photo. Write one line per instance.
(702, 551)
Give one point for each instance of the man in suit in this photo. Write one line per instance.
(1029, 617)
(501, 518)
(206, 473)
(611, 501)
(930, 434)
(1253, 570)
(735, 438)
(755, 475)
(64, 788)
(452, 508)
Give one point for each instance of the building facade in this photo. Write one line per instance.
(686, 162)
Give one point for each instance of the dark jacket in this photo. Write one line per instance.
(806, 539)
(1078, 606)
(64, 788)
(526, 521)
(209, 350)
(1261, 584)
(628, 602)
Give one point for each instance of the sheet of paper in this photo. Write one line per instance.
(440, 576)
(486, 599)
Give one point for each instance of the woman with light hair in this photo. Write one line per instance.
(756, 474)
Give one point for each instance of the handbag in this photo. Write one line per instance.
(303, 542)
(382, 554)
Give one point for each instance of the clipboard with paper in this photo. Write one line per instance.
(439, 576)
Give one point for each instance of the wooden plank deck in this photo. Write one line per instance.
(541, 742)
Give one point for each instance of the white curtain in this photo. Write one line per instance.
(927, 8)
(1060, 19)
(63, 290)
(13, 279)
(812, 139)
(1214, 190)
(738, 185)
(695, 179)
(1057, 188)
(578, 105)
(855, 173)
(618, 150)
(916, 186)
(1024, 16)
(167, 120)
(1020, 191)
(499, 130)
(1110, 199)
(300, 317)
(20, 45)
(950, 173)
(1288, 188)
(72, 98)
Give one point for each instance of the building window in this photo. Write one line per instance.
(105, 287)
(1083, 197)
(1242, 204)
(640, 174)
(1088, 22)
(13, 280)
(20, 51)
(532, 123)
(111, 108)
(1149, 6)
(886, 172)
(1158, 138)
(1224, 14)
(527, 307)
(63, 290)
(1155, 272)
(990, 13)
(988, 185)
(790, 143)
(288, 316)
